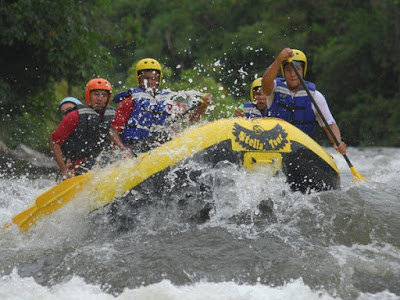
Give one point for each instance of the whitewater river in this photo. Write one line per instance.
(342, 244)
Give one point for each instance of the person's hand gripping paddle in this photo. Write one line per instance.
(356, 174)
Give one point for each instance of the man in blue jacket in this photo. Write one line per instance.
(257, 108)
(142, 116)
(288, 100)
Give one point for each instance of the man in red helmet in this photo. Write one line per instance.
(83, 133)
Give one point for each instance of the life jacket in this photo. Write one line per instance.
(147, 118)
(295, 109)
(135, 93)
(91, 136)
(125, 94)
(251, 111)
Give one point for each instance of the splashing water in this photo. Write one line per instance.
(260, 240)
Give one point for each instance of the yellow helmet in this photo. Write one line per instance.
(256, 83)
(147, 64)
(298, 56)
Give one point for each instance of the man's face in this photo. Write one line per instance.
(292, 80)
(261, 99)
(66, 108)
(149, 80)
(99, 99)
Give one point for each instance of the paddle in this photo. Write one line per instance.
(50, 201)
(58, 196)
(192, 108)
(179, 117)
(356, 174)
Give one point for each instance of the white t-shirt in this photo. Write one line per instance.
(319, 100)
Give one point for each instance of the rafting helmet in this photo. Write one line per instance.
(148, 64)
(298, 56)
(97, 84)
(256, 84)
(69, 100)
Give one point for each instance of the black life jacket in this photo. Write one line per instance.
(91, 136)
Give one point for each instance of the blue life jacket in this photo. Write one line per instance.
(148, 116)
(295, 109)
(251, 111)
(125, 94)
(91, 136)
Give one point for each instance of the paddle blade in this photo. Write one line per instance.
(357, 175)
(21, 217)
(50, 201)
(61, 189)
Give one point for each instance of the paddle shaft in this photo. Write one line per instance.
(192, 108)
(318, 110)
(187, 111)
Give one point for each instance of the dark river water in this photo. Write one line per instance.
(261, 241)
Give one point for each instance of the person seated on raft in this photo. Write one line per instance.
(83, 133)
(143, 114)
(257, 108)
(288, 100)
(68, 105)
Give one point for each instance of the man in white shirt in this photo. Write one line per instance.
(288, 100)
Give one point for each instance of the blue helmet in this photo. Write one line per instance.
(69, 100)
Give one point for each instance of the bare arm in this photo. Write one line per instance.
(336, 131)
(201, 110)
(272, 71)
(239, 113)
(116, 139)
(59, 157)
(269, 76)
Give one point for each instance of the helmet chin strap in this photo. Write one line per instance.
(108, 101)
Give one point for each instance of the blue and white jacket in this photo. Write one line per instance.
(294, 108)
(148, 116)
(251, 111)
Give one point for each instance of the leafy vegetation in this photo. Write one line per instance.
(50, 49)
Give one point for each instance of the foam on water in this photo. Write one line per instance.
(14, 287)
(328, 244)
(17, 193)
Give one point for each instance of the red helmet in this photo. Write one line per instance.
(97, 84)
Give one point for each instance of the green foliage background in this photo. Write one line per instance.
(50, 49)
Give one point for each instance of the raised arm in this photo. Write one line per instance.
(272, 71)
